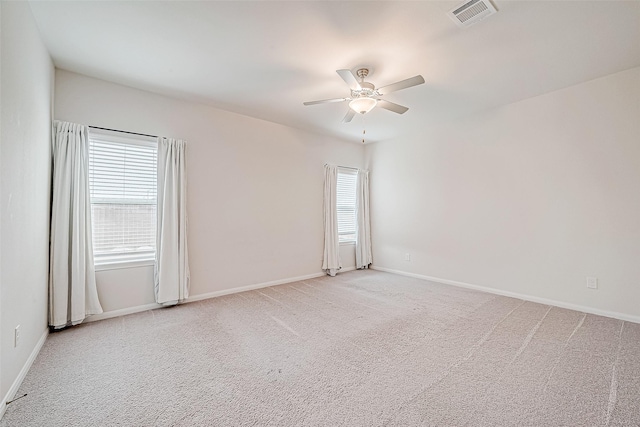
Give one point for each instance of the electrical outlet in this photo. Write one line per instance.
(407, 257)
(16, 336)
(592, 282)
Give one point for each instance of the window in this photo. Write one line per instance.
(346, 205)
(122, 185)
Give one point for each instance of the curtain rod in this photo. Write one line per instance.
(344, 167)
(124, 131)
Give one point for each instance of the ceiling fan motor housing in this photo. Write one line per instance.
(363, 98)
(367, 89)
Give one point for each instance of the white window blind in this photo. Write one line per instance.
(346, 205)
(123, 189)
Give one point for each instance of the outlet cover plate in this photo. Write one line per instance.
(16, 336)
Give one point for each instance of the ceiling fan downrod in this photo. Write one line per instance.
(362, 73)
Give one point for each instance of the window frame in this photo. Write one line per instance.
(121, 260)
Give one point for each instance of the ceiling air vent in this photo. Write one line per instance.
(470, 12)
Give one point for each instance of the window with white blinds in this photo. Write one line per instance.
(123, 190)
(346, 205)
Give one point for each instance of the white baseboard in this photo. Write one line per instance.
(532, 298)
(200, 297)
(121, 312)
(214, 294)
(23, 373)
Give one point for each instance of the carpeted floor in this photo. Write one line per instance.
(362, 349)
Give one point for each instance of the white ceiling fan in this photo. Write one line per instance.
(365, 96)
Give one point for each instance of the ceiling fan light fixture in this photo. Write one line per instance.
(363, 104)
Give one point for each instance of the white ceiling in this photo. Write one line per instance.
(264, 58)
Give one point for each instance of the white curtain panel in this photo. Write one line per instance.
(331, 259)
(72, 280)
(172, 257)
(363, 224)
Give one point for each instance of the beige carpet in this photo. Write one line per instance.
(362, 349)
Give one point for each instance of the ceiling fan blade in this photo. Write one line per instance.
(325, 101)
(392, 106)
(347, 118)
(349, 79)
(413, 81)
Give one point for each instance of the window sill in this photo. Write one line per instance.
(116, 265)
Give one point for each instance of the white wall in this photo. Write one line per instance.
(528, 198)
(254, 187)
(26, 86)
